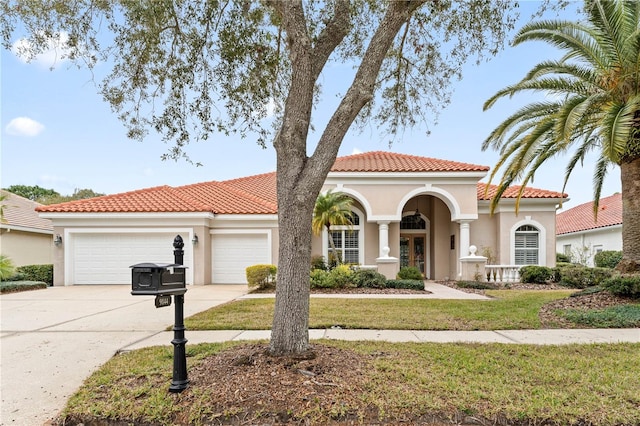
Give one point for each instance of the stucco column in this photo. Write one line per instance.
(387, 265)
(383, 239)
(464, 242)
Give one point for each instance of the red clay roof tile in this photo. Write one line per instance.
(383, 161)
(512, 192)
(580, 218)
(257, 194)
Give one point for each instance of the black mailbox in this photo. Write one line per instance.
(151, 279)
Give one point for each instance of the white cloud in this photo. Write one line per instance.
(356, 151)
(52, 56)
(24, 126)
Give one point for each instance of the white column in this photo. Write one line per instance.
(464, 242)
(383, 239)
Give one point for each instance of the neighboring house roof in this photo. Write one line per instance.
(580, 218)
(257, 194)
(20, 213)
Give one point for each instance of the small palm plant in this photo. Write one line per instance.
(332, 208)
(7, 268)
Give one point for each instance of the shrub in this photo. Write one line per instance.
(16, 286)
(624, 285)
(582, 276)
(476, 285)
(561, 257)
(321, 279)
(41, 273)
(534, 274)
(318, 262)
(7, 269)
(261, 276)
(369, 278)
(342, 276)
(407, 284)
(607, 259)
(409, 273)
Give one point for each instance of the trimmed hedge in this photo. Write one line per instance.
(42, 273)
(16, 286)
(406, 284)
(261, 276)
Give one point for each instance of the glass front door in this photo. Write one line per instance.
(412, 251)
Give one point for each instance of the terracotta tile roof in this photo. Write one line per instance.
(21, 212)
(512, 192)
(231, 197)
(257, 194)
(157, 199)
(580, 218)
(382, 161)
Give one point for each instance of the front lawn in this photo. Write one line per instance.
(369, 383)
(511, 309)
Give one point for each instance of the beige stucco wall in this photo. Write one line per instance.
(507, 222)
(26, 248)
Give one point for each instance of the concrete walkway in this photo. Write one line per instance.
(53, 339)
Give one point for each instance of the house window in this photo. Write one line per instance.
(597, 249)
(527, 245)
(566, 249)
(347, 241)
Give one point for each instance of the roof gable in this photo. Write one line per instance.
(580, 218)
(382, 161)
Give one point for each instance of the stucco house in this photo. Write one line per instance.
(580, 236)
(407, 210)
(25, 237)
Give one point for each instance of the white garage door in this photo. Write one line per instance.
(106, 258)
(232, 253)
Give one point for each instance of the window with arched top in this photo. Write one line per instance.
(527, 245)
(347, 240)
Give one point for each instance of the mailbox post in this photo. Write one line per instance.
(180, 380)
(163, 281)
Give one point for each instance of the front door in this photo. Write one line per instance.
(412, 251)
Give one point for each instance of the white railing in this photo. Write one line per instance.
(502, 273)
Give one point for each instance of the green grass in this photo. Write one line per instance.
(625, 316)
(569, 384)
(510, 310)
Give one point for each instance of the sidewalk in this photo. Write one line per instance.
(529, 337)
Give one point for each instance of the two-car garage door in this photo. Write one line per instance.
(105, 258)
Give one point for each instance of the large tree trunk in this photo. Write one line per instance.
(300, 178)
(630, 177)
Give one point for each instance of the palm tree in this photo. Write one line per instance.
(332, 208)
(595, 106)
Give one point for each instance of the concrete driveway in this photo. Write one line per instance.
(53, 339)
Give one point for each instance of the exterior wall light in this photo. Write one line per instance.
(57, 240)
(194, 240)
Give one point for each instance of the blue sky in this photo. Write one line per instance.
(58, 133)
